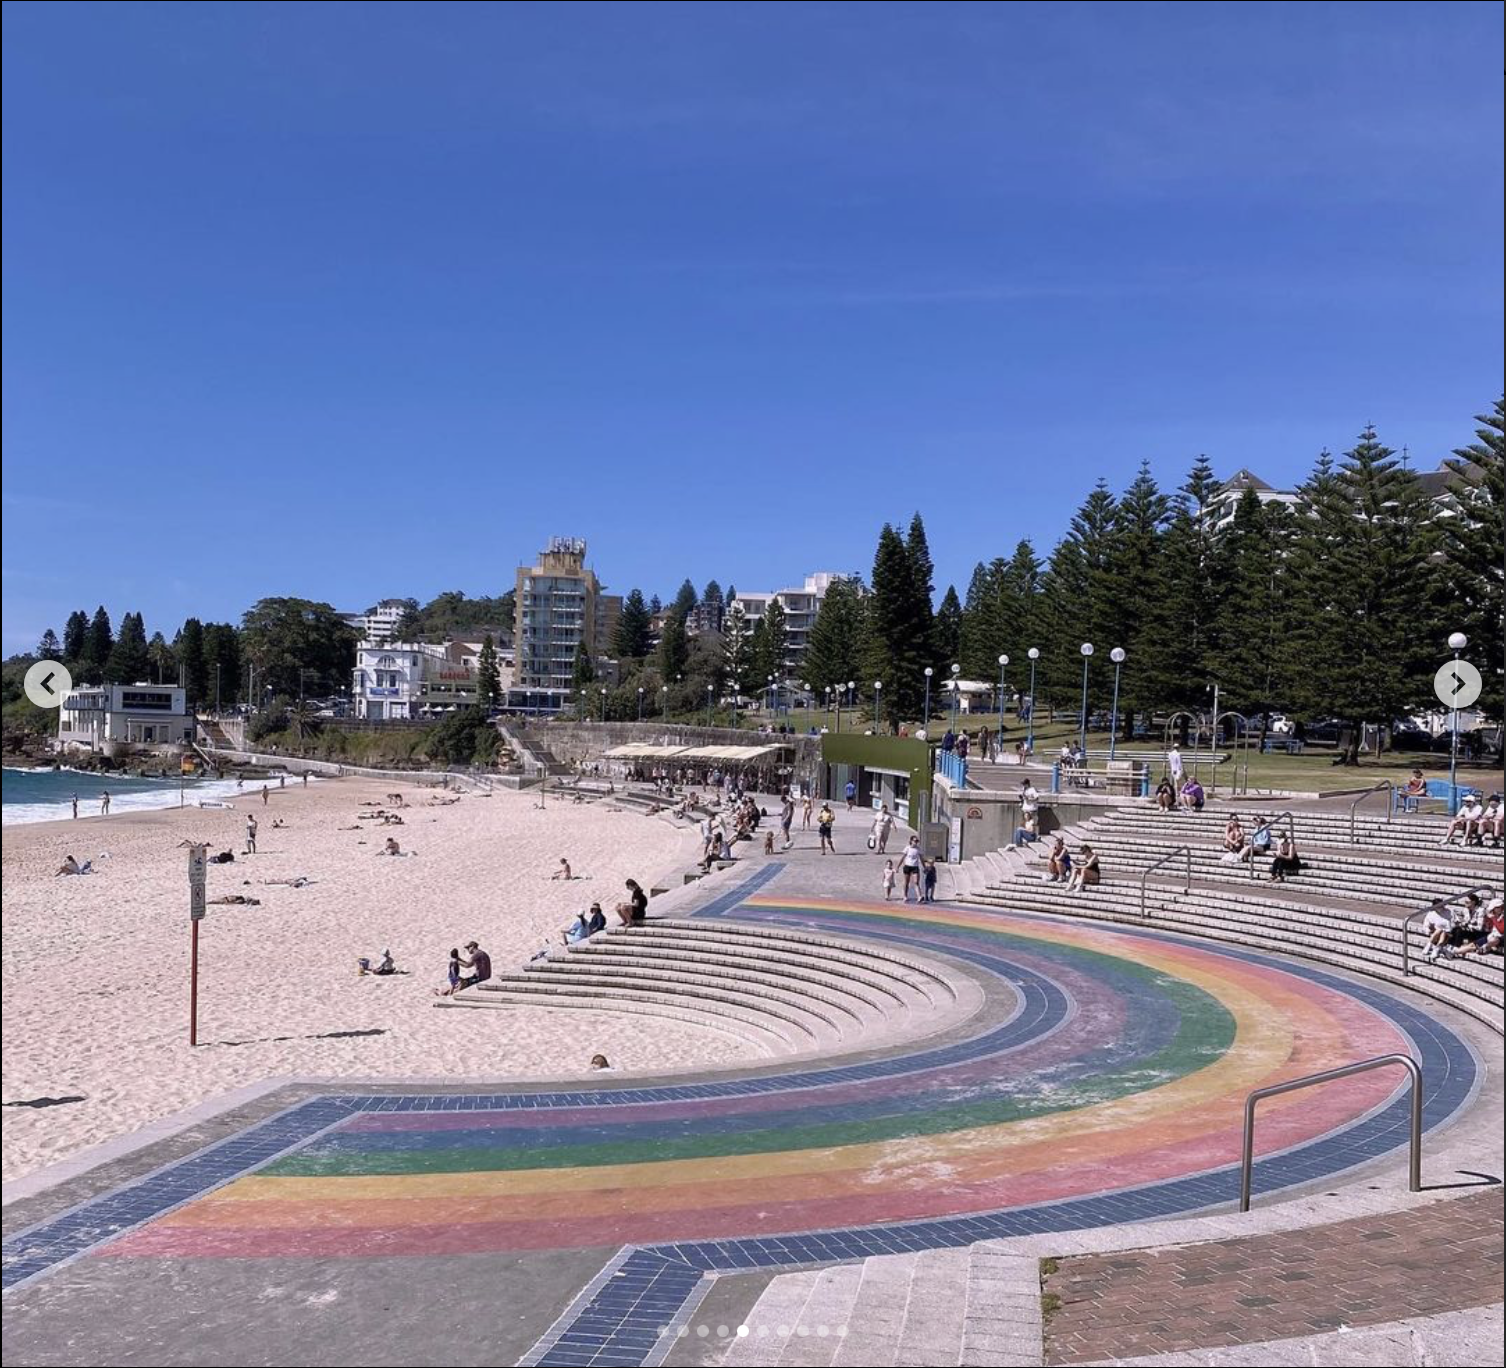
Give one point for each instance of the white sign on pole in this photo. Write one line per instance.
(197, 866)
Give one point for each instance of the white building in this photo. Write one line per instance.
(800, 608)
(129, 714)
(1222, 505)
(398, 680)
(380, 623)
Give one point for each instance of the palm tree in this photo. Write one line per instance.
(304, 721)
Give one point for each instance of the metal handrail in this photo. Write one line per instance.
(1406, 925)
(1270, 825)
(1413, 1068)
(1368, 793)
(1166, 859)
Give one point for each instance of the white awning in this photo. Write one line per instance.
(740, 755)
(639, 751)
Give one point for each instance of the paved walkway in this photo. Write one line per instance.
(1100, 1086)
(1362, 1272)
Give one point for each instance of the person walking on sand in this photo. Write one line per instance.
(104, 803)
(305, 778)
(75, 807)
(888, 879)
(265, 796)
(250, 834)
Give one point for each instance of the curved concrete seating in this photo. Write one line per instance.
(1413, 838)
(782, 991)
(1366, 944)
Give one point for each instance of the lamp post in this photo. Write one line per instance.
(710, 689)
(1003, 661)
(664, 700)
(926, 720)
(1457, 642)
(217, 688)
(1082, 717)
(956, 670)
(1034, 655)
(878, 704)
(737, 689)
(837, 694)
(1117, 656)
(640, 702)
(603, 705)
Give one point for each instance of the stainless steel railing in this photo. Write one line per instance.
(1370, 793)
(1414, 1070)
(1270, 825)
(1166, 859)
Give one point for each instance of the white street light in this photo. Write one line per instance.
(1457, 641)
(1082, 719)
(1034, 655)
(1117, 656)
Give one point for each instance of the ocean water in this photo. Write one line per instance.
(45, 795)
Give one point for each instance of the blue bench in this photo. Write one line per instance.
(1437, 788)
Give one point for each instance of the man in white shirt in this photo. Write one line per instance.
(1174, 765)
(1471, 813)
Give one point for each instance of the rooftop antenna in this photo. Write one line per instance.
(1405, 452)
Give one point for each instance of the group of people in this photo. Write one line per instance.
(1189, 797)
(1476, 820)
(1083, 872)
(918, 872)
(104, 804)
(1471, 930)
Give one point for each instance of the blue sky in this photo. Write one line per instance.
(356, 300)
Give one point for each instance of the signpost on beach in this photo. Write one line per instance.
(196, 869)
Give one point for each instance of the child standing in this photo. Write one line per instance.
(930, 882)
(888, 879)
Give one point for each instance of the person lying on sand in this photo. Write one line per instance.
(299, 882)
(237, 900)
(72, 866)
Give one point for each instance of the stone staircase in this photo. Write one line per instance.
(1323, 914)
(1410, 837)
(974, 1304)
(781, 991)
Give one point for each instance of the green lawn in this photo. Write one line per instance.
(1312, 772)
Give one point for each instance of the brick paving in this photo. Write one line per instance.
(1366, 1271)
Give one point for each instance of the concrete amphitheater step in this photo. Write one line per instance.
(1357, 880)
(845, 1011)
(864, 954)
(1413, 838)
(883, 995)
(764, 1035)
(1473, 995)
(1376, 940)
(818, 1025)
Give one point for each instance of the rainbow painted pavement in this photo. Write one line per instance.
(1109, 1091)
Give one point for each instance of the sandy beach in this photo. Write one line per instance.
(96, 969)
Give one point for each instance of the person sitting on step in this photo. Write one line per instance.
(1086, 874)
